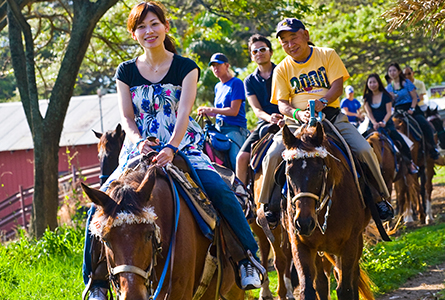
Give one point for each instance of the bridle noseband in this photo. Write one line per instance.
(148, 274)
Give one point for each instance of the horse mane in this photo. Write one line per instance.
(308, 144)
(130, 200)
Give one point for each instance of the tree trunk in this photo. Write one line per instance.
(46, 200)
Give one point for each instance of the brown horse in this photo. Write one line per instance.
(324, 214)
(281, 252)
(108, 148)
(408, 187)
(136, 219)
(388, 160)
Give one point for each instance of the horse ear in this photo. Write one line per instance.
(318, 135)
(146, 187)
(98, 197)
(435, 110)
(97, 134)
(118, 129)
(289, 138)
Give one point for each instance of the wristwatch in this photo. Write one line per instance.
(324, 101)
(411, 108)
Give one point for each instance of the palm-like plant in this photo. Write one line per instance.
(426, 15)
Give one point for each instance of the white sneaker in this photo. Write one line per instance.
(98, 293)
(250, 277)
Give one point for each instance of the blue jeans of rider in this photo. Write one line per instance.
(238, 135)
(222, 198)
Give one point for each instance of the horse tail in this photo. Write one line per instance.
(364, 286)
(364, 282)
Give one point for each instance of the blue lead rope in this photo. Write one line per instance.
(172, 242)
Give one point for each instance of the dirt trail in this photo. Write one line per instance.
(424, 286)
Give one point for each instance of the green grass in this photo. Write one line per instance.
(390, 264)
(440, 175)
(51, 267)
(46, 269)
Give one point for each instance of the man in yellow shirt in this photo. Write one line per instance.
(313, 73)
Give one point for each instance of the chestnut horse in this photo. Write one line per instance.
(324, 214)
(136, 219)
(108, 148)
(408, 187)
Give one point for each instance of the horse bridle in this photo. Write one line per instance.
(148, 274)
(320, 200)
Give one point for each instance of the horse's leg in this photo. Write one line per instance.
(282, 264)
(429, 219)
(264, 245)
(349, 271)
(323, 275)
(304, 260)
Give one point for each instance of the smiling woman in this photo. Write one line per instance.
(156, 93)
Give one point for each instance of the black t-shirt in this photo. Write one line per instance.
(128, 73)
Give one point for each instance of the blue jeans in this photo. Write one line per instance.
(223, 199)
(238, 135)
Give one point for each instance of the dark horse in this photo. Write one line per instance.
(108, 148)
(324, 215)
(426, 189)
(136, 219)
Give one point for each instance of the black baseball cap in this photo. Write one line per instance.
(289, 24)
(218, 58)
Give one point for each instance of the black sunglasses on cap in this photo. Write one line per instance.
(261, 49)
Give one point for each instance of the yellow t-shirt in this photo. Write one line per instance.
(300, 82)
(420, 86)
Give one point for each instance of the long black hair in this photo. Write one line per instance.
(402, 77)
(367, 93)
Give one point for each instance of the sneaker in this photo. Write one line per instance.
(98, 293)
(413, 168)
(250, 277)
(386, 212)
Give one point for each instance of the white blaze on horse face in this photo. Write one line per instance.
(99, 220)
(304, 164)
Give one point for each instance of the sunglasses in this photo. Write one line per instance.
(261, 49)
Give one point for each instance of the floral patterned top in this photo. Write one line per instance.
(155, 108)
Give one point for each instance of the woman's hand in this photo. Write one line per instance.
(410, 111)
(164, 157)
(376, 126)
(144, 147)
(382, 124)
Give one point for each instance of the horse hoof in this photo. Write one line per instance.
(266, 298)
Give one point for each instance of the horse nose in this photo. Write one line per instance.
(305, 226)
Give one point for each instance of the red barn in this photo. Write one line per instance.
(78, 145)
